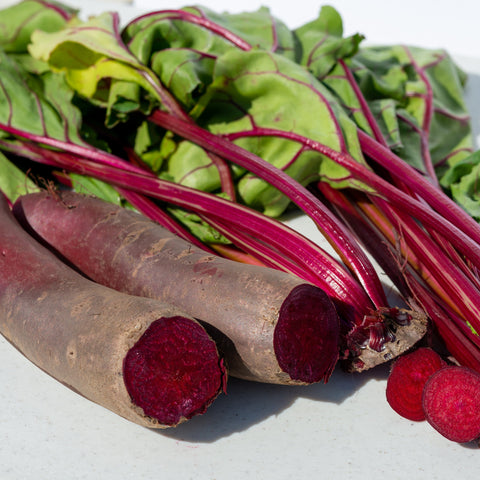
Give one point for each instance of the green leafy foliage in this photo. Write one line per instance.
(404, 80)
(91, 186)
(89, 52)
(37, 103)
(462, 181)
(235, 75)
(257, 89)
(321, 43)
(13, 181)
(19, 21)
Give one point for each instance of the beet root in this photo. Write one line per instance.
(451, 401)
(407, 379)
(93, 339)
(272, 326)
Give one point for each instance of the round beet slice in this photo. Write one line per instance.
(451, 401)
(407, 379)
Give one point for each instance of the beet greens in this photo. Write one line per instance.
(212, 124)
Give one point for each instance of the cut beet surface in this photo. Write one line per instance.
(451, 400)
(173, 370)
(407, 379)
(306, 336)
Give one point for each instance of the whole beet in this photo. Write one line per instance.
(272, 326)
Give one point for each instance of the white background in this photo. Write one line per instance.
(342, 430)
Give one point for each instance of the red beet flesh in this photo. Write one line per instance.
(306, 336)
(407, 380)
(451, 401)
(173, 370)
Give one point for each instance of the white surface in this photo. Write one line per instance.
(430, 23)
(342, 430)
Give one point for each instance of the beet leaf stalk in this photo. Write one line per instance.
(446, 273)
(350, 299)
(367, 176)
(326, 271)
(342, 241)
(459, 316)
(431, 219)
(418, 286)
(350, 252)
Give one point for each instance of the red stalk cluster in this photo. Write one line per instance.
(426, 243)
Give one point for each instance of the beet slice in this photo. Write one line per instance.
(451, 401)
(407, 379)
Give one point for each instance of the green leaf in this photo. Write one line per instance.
(185, 72)
(37, 104)
(183, 53)
(92, 186)
(462, 181)
(197, 227)
(321, 43)
(91, 52)
(18, 21)
(14, 181)
(259, 28)
(191, 166)
(96, 37)
(147, 145)
(402, 76)
(261, 89)
(158, 31)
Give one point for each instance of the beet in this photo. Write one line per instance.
(271, 326)
(94, 339)
(407, 379)
(451, 401)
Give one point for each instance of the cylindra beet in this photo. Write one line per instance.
(142, 359)
(272, 326)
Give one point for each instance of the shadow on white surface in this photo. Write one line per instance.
(248, 403)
